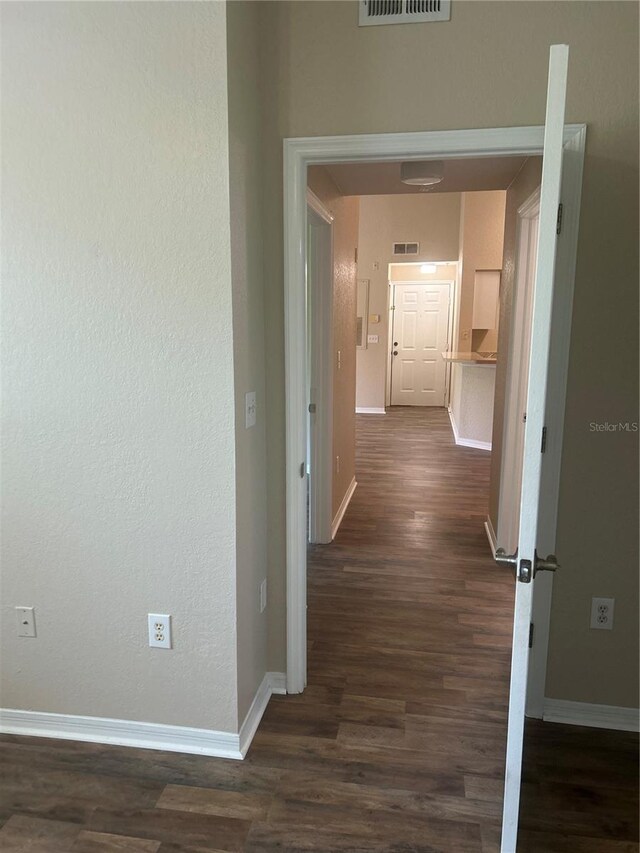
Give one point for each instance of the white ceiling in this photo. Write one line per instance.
(462, 175)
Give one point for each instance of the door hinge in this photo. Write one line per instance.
(312, 408)
(530, 635)
(302, 471)
(559, 219)
(543, 443)
(355, 255)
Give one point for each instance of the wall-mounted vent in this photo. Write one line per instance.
(374, 12)
(406, 248)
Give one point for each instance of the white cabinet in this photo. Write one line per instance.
(486, 294)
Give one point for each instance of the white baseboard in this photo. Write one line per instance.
(491, 536)
(595, 716)
(343, 508)
(146, 735)
(273, 682)
(121, 733)
(278, 682)
(466, 442)
(366, 410)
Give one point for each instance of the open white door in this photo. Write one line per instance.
(525, 561)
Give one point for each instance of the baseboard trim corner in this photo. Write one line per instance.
(466, 442)
(591, 715)
(273, 682)
(278, 682)
(337, 521)
(491, 536)
(368, 410)
(143, 735)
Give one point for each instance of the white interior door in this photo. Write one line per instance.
(420, 334)
(525, 562)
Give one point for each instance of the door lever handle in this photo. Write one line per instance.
(549, 564)
(522, 568)
(507, 561)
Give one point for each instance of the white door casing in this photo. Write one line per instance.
(299, 153)
(532, 456)
(418, 338)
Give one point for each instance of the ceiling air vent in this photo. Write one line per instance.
(406, 248)
(374, 12)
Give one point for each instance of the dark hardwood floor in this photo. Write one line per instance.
(397, 744)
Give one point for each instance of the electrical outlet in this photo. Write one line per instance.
(263, 595)
(26, 621)
(159, 630)
(602, 613)
(250, 409)
(372, 339)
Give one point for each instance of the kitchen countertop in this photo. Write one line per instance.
(471, 357)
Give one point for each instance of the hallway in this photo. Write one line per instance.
(398, 742)
(409, 621)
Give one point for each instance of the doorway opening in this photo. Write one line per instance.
(299, 154)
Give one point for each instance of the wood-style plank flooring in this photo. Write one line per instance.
(397, 744)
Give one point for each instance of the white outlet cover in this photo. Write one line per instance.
(372, 339)
(159, 625)
(250, 409)
(602, 613)
(26, 617)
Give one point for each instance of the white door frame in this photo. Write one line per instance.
(299, 153)
(320, 372)
(390, 314)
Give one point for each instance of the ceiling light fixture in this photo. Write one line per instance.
(422, 173)
(428, 268)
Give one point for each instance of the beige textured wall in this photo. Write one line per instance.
(318, 68)
(345, 241)
(481, 238)
(431, 219)
(408, 272)
(117, 389)
(523, 186)
(248, 343)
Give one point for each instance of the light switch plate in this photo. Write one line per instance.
(250, 409)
